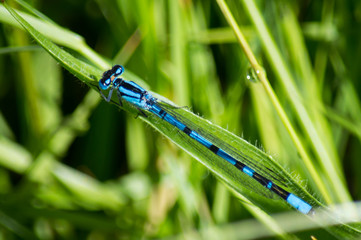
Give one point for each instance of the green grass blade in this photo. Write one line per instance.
(55, 33)
(80, 69)
(315, 136)
(14, 226)
(283, 116)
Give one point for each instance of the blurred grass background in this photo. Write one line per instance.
(62, 149)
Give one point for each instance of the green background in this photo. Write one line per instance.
(75, 167)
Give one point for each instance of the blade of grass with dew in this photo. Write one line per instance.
(223, 170)
(309, 127)
(311, 91)
(263, 79)
(345, 230)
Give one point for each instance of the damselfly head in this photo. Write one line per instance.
(109, 76)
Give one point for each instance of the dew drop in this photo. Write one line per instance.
(252, 75)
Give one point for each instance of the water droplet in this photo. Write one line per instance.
(252, 75)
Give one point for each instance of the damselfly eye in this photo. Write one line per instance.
(117, 70)
(104, 83)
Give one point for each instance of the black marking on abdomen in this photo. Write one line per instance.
(162, 113)
(262, 180)
(279, 191)
(239, 165)
(187, 130)
(214, 149)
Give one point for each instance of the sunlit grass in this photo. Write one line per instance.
(83, 171)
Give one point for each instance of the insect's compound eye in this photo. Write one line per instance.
(104, 83)
(117, 70)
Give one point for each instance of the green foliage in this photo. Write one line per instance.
(74, 168)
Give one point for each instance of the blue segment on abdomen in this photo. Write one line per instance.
(200, 139)
(248, 171)
(299, 204)
(226, 156)
(167, 117)
(174, 122)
